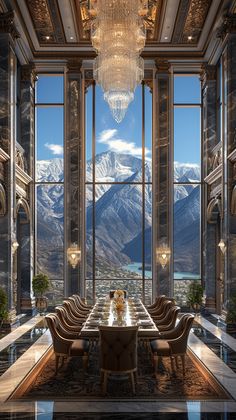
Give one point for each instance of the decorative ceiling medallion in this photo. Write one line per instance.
(46, 20)
(152, 13)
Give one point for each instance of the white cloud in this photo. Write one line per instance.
(56, 149)
(114, 144)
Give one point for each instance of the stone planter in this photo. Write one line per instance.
(41, 304)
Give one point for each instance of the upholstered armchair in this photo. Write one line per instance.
(77, 306)
(71, 323)
(173, 347)
(156, 303)
(74, 314)
(81, 302)
(169, 321)
(158, 310)
(166, 307)
(118, 352)
(64, 347)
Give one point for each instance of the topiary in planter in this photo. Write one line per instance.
(3, 306)
(195, 296)
(40, 285)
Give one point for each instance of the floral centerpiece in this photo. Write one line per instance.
(119, 299)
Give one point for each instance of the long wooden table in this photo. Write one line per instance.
(104, 313)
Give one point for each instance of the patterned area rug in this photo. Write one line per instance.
(69, 382)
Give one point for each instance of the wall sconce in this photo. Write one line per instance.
(222, 246)
(14, 246)
(163, 255)
(74, 255)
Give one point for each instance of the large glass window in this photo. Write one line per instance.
(119, 196)
(49, 185)
(187, 184)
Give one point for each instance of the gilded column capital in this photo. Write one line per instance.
(228, 26)
(208, 73)
(74, 65)
(28, 73)
(7, 24)
(162, 65)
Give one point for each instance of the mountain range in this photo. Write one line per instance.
(118, 212)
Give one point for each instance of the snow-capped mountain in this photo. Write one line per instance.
(118, 211)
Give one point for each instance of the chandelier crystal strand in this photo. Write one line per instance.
(118, 35)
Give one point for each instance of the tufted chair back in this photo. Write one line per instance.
(118, 347)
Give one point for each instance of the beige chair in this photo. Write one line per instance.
(78, 307)
(70, 331)
(173, 347)
(118, 352)
(81, 302)
(63, 347)
(74, 314)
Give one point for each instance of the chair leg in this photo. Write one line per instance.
(172, 364)
(183, 363)
(57, 363)
(176, 362)
(104, 387)
(132, 381)
(155, 362)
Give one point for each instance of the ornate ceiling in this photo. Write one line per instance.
(63, 26)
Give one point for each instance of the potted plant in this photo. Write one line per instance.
(195, 296)
(231, 314)
(3, 307)
(40, 285)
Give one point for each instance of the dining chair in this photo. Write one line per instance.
(70, 329)
(157, 311)
(118, 352)
(73, 312)
(81, 302)
(73, 323)
(156, 303)
(166, 307)
(169, 321)
(63, 347)
(173, 347)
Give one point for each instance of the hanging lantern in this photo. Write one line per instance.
(74, 255)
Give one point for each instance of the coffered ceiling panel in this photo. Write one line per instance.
(63, 26)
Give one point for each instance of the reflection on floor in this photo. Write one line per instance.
(25, 346)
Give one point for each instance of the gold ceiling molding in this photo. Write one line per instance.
(196, 17)
(46, 19)
(190, 21)
(150, 19)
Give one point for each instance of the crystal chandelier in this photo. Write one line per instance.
(118, 35)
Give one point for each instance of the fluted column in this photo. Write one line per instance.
(209, 228)
(73, 173)
(26, 230)
(162, 283)
(7, 143)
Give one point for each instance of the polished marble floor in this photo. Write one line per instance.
(30, 341)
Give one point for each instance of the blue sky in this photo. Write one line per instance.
(125, 137)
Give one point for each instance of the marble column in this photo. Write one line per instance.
(228, 35)
(27, 134)
(7, 143)
(209, 230)
(162, 208)
(73, 173)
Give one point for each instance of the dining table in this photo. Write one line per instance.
(133, 313)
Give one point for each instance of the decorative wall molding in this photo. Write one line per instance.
(7, 24)
(214, 210)
(215, 157)
(208, 73)
(214, 175)
(228, 26)
(3, 201)
(3, 155)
